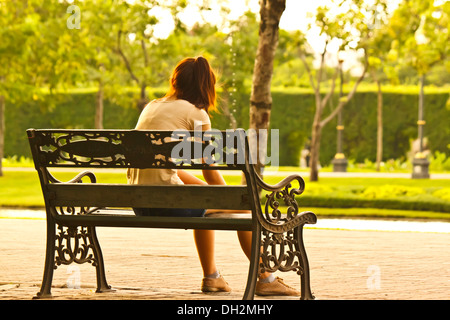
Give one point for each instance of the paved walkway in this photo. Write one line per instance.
(163, 264)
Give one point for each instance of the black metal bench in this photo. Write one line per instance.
(74, 208)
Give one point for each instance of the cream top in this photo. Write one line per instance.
(166, 115)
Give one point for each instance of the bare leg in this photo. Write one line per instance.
(204, 242)
(245, 239)
(204, 239)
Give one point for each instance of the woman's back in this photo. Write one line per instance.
(166, 114)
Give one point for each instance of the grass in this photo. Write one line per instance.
(22, 189)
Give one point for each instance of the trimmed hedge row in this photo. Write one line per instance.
(384, 196)
(395, 204)
(292, 114)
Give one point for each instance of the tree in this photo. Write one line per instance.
(93, 46)
(25, 28)
(132, 39)
(423, 29)
(260, 97)
(350, 31)
(377, 52)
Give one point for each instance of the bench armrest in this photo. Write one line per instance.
(77, 179)
(281, 196)
(81, 175)
(283, 183)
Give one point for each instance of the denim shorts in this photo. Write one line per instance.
(169, 212)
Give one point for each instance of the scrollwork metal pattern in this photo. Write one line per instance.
(281, 240)
(72, 244)
(74, 211)
(131, 149)
(279, 252)
(283, 196)
(272, 208)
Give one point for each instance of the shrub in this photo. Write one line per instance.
(443, 194)
(439, 162)
(390, 191)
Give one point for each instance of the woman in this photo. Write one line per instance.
(187, 104)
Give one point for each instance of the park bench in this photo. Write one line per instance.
(75, 208)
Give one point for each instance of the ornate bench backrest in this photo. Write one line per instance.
(139, 149)
(227, 150)
(223, 150)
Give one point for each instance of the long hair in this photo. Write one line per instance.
(194, 80)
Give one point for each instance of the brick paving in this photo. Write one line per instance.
(155, 264)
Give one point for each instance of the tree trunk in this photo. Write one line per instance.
(379, 127)
(318, 124)
(260, 98)
(316, 131)
(2, 132)
(142, 102)
(315, 151)
(99, 107)
(316, 134)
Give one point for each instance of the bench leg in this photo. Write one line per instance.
(305, 285)
(102, 285)
(71, 245)
(254, 265)
(45, 291)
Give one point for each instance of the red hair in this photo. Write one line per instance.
(194, 80)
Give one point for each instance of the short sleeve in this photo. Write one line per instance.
(197, 118)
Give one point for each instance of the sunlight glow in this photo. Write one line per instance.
(298, 15)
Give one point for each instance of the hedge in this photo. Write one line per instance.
(395, 204)
(393, 195)
(292, 114)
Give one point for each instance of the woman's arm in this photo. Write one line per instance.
(189, 178)
(213, 177)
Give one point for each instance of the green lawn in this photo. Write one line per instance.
(22, 189)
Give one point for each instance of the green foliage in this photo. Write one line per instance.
(400, 117)
(394, 203)
(38, 50)
(20, 162)
(390, 165)
(398, 194)
(390, 191)
(292, 113)
(444, 194)
(73, 110)
(383, 193)
(21, 189)
(439, 162)
(422, 29)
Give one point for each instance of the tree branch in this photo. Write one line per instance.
(144, 51)
(308, 71)
(333, 85)
(350, 95)
(322, 62)
(124, 58)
